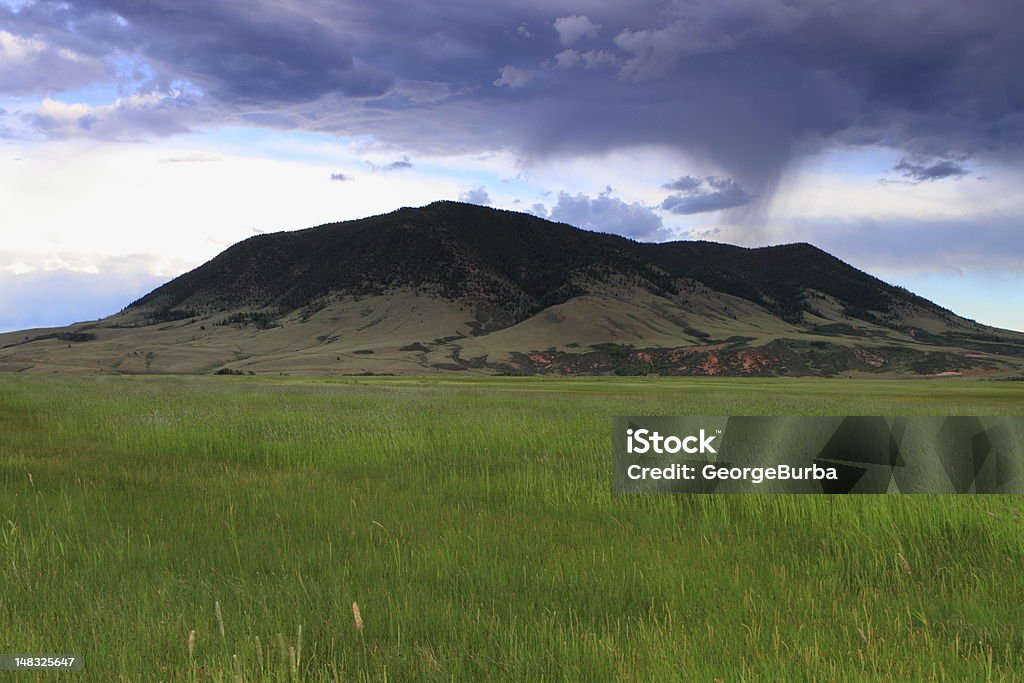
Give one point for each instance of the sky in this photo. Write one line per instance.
(138, 138)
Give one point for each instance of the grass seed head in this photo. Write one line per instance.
(220, 617)
(357, 616)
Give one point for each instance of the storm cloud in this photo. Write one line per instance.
(924, 171)
(701, 195)
(751, 86)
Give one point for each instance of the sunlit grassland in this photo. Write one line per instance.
(472, 521)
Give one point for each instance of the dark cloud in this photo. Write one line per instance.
(477, 195)
(400, 165)
(700, 195)
(684, 183)
(240, 52)
(606, 213)
(341, 177)
(748, 85)
(924, 171)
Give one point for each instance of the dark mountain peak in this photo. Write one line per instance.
(516, 263)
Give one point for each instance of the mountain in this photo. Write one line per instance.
(458, 287)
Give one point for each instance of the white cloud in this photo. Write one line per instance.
(826, 193)
(127, 118)
(117, 199)
(512, 77)
(574, 28)
(477, 195)
(15, 49)
(606, 213)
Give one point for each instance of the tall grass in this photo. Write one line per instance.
(204, 529)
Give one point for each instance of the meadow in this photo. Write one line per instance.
(221, 528)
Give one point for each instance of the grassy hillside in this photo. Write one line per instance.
(471, 520)
(453, 287)
(625, 332)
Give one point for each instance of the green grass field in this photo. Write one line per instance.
(471, 520)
